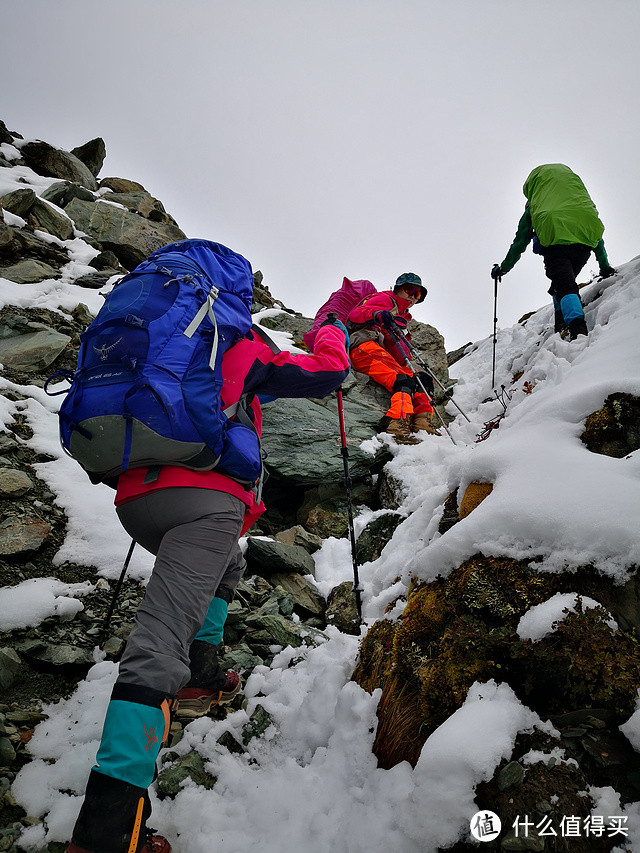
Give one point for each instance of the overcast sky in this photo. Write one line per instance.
(323, 138)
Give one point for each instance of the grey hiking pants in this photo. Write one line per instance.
(194, 535)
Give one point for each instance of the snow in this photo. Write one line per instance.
(31, 601)
(311, 782)
(542, 619)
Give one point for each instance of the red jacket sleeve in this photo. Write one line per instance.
(288, 374)
(383, 301)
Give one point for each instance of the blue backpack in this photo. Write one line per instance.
(146, 391)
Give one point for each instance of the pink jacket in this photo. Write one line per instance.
(385, 300)
(251, 367)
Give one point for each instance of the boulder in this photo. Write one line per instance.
(22, 535)
(121, 185)
(62, 192)
(342, 610)
(29, 272)
(9, 667)
(32, 351)
(268, 557)
(376, 535)
(18, 202)
(92, 154)
(14, 483)
(299, 536)
(614, 430)
(44, 159)
(46, 218)
(130, 237)
(302, 439)
(306, 598)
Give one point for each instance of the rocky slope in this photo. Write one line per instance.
(57, 213)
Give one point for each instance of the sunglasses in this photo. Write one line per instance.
(413, 292)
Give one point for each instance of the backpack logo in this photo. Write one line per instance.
(104, 352)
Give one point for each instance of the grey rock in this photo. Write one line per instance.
(189, 766)
(294, 324)
(29, 271)
(95, 280)
(258, 723)
(8, 442)
(390, 491)
(56, 655)
(7, 752)
(9, 667)
(142, 203)
(376, 535)
(341, 609)
(62, 192)
(82, 314)
(32, 351)
(121, 185)
(6, 135)
(44, 159)
(92, 154)
(14, 482)
(269, 556)
(130, 237)
(299, 536)
(307, 600)
(44, 217)
(8, 242)
(456, 355)
(18, 202)
(241, 659)
(22, 535)
(272, 630)
(511, 775)
(302, 439)
(106, 261)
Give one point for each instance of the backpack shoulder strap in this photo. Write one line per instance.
(259, 332)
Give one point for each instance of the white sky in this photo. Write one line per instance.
(365, 138)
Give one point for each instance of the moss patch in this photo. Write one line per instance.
(462, 629)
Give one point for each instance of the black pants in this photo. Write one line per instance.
(562, 264)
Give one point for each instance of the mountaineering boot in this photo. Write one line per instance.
(577, 327)
(192, 702)
(112, 819)
(209, 684)
(400, 429)
(422, 423)
(559, 324)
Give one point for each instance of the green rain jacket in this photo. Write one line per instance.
(559, 211)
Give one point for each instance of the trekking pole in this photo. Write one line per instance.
(116, 593)
(401, 339)
(427, 369)
(495, 275)
(347, 484)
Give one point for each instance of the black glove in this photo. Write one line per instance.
(384, 318)
(427, 381)
(496, 272)
(607, 272)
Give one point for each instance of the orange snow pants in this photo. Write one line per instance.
(381, 366)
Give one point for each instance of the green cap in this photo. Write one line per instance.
(410, 278)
